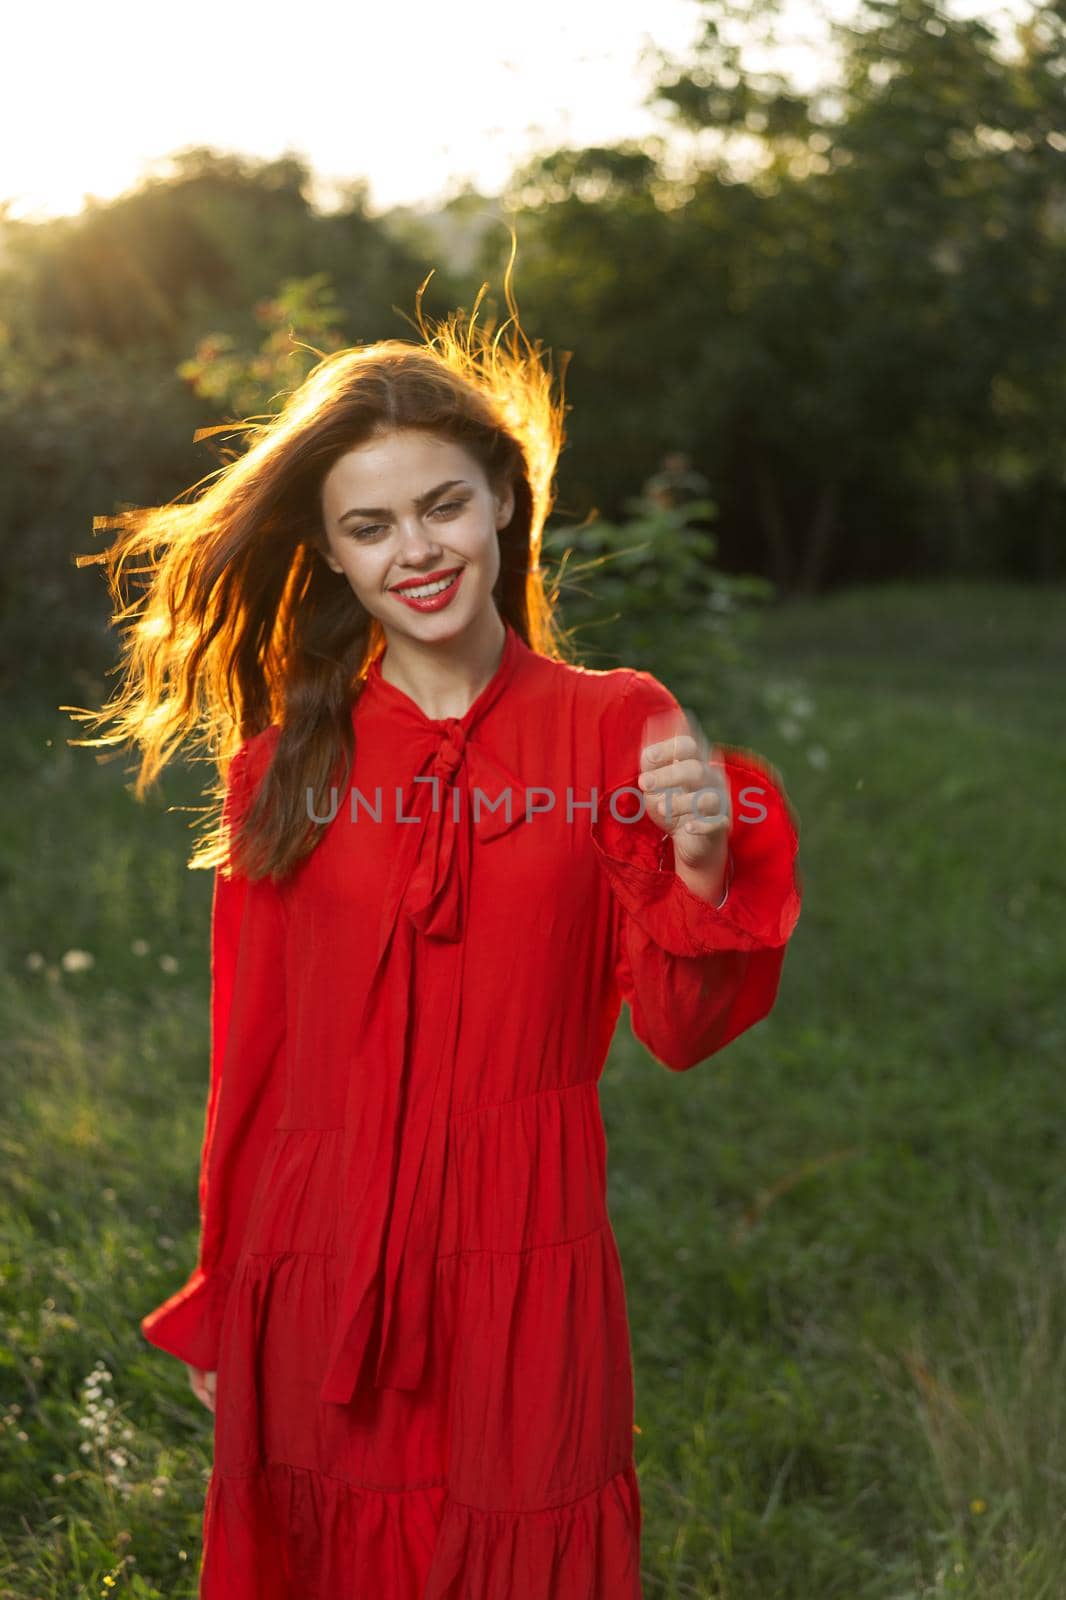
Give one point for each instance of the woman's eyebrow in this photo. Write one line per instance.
(420, 503)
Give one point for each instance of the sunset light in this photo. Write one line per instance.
(101, 99)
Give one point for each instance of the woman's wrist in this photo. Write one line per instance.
(708, 883)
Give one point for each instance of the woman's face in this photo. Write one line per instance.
(408, 506)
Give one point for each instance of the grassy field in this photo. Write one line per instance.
(844, 1258)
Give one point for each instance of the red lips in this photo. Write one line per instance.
(425, 577)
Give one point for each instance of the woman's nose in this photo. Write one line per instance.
(415, 541)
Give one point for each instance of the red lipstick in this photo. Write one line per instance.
(429, 602)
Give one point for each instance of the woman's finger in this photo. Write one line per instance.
(705, 801)
(656, 754)
(664, 731)
(690, 773)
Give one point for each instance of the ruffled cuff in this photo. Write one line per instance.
(762, 901)
(189, 1324)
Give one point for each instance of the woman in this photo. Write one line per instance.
(446, 856)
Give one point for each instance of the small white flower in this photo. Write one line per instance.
(34, 961)
(169, 964)
(140, 947)
(85, 1447)
(818, 756)
(77, 961)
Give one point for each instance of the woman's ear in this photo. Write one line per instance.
(504, 506)
(321, 544)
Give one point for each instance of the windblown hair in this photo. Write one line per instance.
(242, 627)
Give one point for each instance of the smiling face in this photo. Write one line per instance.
(408, 508)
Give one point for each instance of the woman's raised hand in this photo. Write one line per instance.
(686, 791)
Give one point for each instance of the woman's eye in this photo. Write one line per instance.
(375, 527)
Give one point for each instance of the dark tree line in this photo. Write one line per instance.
(849, 312)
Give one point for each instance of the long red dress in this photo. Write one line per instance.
(408, 1282)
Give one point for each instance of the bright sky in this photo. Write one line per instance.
(415, 98)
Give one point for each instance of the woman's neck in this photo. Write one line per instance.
(445, 679)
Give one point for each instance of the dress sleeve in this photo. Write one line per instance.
(694, 975)
(247, 1029)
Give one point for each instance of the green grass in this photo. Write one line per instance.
(842, 1235)
(845, 1265)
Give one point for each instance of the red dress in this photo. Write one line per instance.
(408, 1282)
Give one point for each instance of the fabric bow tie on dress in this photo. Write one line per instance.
(434, 895)
(396, 1122)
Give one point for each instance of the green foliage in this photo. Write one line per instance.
(846, 310)
(646, 593)
(83, 438)
(301, 323)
